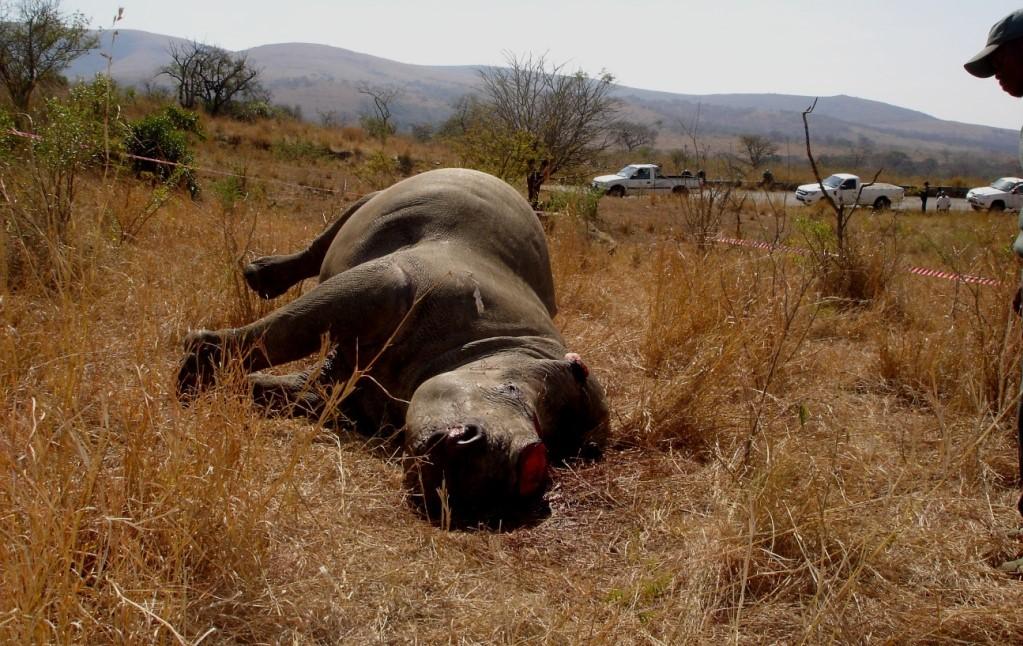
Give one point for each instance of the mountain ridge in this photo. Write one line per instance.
(323, 79)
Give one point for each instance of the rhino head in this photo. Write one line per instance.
(481, 439)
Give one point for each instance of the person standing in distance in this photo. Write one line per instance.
(1002, 58)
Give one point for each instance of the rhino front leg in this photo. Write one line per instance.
(365, 304)
(271, 276)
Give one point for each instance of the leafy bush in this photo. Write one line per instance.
(576, 203)
(7, 140)
(232, 189)
(378, 171)
(164, 137)
(376, 127)
(40, 191)
(857, 272)
(261, 110)
(184, 120)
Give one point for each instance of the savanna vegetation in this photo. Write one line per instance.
(808, 448)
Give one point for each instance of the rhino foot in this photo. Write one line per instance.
(203, 352)
(1012, 567)
(265, 276)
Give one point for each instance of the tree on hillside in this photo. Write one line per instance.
(631, 135)
(758, 149)
(379, 123)
(547, 120)
(37, 42)
(464, 110)
(213, 77)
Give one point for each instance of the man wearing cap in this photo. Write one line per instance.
(1002, 58)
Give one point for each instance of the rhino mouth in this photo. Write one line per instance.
(464, 471)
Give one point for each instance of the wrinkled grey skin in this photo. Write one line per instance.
(454, 265)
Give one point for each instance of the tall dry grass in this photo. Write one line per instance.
(785, 468)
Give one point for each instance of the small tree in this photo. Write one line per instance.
(631, 135)
(37, 42)
(691, 130)
(843, 267)
(212, 76)
(486, 143)
(379, 123)
(552, 120)
(464, 110)
(159, 145)
(758, 149)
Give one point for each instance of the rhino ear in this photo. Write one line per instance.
(578, 368)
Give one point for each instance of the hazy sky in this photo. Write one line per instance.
(906, 52)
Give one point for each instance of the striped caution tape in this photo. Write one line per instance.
(760, 244)
(919, 271)
(950, 275)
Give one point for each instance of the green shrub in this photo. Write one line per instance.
(376, 127)
(7, 139)
(232, 189)
(164, 136)
(184, 120)
(378, 170)
(40, 190)
(579, 203)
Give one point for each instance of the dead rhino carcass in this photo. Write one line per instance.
(446, 277)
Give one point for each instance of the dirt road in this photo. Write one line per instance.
(911, 203)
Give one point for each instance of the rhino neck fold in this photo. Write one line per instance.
(511, 350)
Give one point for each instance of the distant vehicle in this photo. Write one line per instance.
(1004, 194)
(847, 190)
(644, 178)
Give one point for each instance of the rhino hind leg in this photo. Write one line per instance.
(271, 276)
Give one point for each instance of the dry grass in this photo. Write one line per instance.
(785, 469)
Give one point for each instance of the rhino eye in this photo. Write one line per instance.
(510, 390)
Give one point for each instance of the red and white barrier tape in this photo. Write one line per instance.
(919, 271)
(759, 244)
(950, 275)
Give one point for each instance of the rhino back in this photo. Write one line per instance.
(475, 213)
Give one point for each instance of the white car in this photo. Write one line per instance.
(644, 178)
(847, 190)
(1004, 194)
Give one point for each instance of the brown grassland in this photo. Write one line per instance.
(798, 457)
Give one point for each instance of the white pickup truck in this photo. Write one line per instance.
(644, 178)
(1005, 194)
(845, 189)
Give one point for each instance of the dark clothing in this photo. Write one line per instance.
(923, 199)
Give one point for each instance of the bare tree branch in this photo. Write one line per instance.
(379, 125)
(556, 120)
(212, 76)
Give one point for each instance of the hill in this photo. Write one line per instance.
(322, 79)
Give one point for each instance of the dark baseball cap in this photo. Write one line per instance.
(1006, 29)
